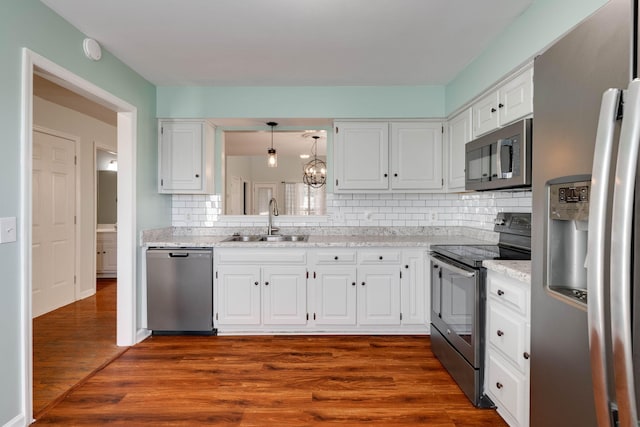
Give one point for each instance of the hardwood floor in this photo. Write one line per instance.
(71, 342)
(272, 381)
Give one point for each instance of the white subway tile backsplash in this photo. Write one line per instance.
(475, 210)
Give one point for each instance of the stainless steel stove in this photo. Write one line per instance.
(458, 299)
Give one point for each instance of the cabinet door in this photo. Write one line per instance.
(99, 255)
(378, 295)
(284, 297)
(361, 156)
(335, 292)
(459, 133)
(516, 98)
(238, 298)
(416, 156)
(181, 152)
(485, 114)
(110, 253)
(413, 287)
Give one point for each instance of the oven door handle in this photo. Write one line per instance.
(447, 265)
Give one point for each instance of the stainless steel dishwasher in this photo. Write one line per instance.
(180, 290)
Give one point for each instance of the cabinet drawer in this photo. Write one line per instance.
(379, 257)
(510, 292)
(335, 257)
(508, 333)
(508, 390)
(261, 256)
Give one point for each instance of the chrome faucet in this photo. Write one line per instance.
(273, 211)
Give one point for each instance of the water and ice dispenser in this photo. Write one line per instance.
(566, 238)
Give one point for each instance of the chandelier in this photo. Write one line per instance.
(315, 171)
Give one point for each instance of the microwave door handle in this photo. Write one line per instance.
(501, 144)
(597, 235)
(621, 256)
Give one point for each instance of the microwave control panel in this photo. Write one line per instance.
(569, 201)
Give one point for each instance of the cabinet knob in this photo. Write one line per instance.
(362, 283)
(493, 110)
(335, 257)
(406, 266)
(500, 333)
(197, 175)
(395, 175)
(526, 355)
(266, 283)
(499, 385)
(386, 175)
(256, 283)
(353, 283)
(380, 257)
(500, 292)
(500, 105)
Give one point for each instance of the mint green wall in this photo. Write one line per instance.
(28, 23)
(542, 23)
(295, 102)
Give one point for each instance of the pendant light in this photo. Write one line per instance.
(272, 157)
(315, 171)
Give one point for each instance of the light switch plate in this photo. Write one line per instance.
(8, 229)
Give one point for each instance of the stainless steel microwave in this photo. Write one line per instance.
(501, 159)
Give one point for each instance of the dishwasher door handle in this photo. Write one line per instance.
(178, 254)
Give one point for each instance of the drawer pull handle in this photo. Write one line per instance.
(335, 257)
(500, 292)
(526, 355)
(500, 333)
(499, 385)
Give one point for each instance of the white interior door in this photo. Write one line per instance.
(53, 243)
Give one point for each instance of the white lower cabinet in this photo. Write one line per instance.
(379, 295)
(284, 297)
(107, 254)
(508, 343)
(320, 290)
(258, 288)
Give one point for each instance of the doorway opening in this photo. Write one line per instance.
(126, 334)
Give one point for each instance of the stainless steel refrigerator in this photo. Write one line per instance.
(585, 140)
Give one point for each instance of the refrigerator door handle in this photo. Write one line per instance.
(621, 257)
(596, 257)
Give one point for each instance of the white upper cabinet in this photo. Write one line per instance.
(185, 157)
(361, 160)
(458, 133)
(416, 156)
(384, 156)
(512, 100)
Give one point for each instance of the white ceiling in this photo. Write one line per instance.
(293, 42)
(291, 143)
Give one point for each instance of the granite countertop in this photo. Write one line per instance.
(181, 238)
(519, 270)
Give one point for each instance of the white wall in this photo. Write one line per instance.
(88, 129)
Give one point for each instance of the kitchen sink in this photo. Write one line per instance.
(268, 238)
(284, 238)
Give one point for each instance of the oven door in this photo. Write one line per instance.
(456, 306)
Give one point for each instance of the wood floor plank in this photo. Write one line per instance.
(273, 380)
(71, 342)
